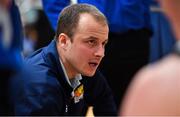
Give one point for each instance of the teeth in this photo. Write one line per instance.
(93, 64)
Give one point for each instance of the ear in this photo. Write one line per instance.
(63, 40)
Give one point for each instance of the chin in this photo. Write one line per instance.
(89, 74)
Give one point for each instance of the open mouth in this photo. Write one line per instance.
(93, 64)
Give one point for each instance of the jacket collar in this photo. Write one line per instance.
(52, 58)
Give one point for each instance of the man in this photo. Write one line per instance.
(60, 88)
(129, 21)
(156, 89)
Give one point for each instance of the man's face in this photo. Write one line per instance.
(84, 53)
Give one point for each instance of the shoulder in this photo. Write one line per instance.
(32, 93)
(34, 57)
(33, 79)
(43, 67)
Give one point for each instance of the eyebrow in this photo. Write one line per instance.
(92, 37)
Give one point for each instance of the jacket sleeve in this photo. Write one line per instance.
(100, 96)
(53, 8)
(33, 95)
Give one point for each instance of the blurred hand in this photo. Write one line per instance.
(89, 112)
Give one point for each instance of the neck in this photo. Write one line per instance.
(67, 67)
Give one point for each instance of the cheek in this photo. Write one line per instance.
(82, 53)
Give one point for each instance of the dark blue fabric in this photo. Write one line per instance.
(121, 14)
(46, 91)
(124, 14)
(162, 40)
(17, 27)
(52, 9)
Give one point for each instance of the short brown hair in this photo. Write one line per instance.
(69, 18)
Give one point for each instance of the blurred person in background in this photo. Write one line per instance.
(129, 38)
(155, 90)
(163, 40)
(12, 68)
(38, 31)
(10, 49)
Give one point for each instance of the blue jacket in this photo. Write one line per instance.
(46, 91)
(122, 15)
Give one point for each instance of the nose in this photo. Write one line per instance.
(100, 51)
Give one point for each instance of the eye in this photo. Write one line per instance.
(92, 42)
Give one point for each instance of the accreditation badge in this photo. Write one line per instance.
(78, 93)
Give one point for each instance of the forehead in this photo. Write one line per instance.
(89, 25)
(88, 18)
